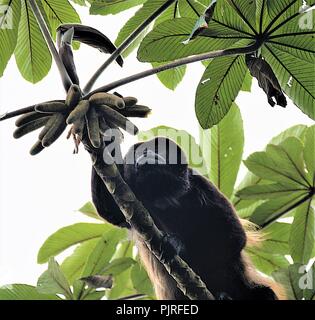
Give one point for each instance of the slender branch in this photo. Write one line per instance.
(177, 63)
(42, 24)
(125, 44)
(140, 220)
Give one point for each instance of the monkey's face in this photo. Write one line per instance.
(156, 169)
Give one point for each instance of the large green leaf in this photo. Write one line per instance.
(24, 292)
(59, 12)
(267, 191)
(222, 148)
(276, 238)
(141, 281)
(302, 236)
(31, 53)
(105, 7)
(9, 21)
(266, 262)
(218, 88)
(69, 236)
(89, 210)
(289, 278)
(168, 41)
(309, 153)
(295, 76)
(73, 265)
(171, 78)
(250, 179)
(273, 209)
(53, 281)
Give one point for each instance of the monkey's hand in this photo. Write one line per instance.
(170, 246)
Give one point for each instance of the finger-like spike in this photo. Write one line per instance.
(51, 107)
(130, 101)
(74, 96)
(30, 127)
(93, 128)
(49, 125)
(118, 119)
(107, 99)
(29, 117)
(37, 148)
(136, 111)
(55, 131)
(79, 111)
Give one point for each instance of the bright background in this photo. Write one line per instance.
(40, 194)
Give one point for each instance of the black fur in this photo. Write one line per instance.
(190, 208)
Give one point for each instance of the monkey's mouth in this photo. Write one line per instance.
(150, 157)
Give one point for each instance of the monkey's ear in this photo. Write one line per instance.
(89, 36)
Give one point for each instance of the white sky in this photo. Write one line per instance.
(38, 195)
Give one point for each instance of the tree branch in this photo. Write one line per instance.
(177, 63)
(42, 24)
(125, 44)
(140, 220)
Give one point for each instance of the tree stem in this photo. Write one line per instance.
(177, 63)
(125, 44)
(42, 24)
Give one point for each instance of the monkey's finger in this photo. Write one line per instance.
(118, 119)
(79, 111)
(130, 101)
(30, 127)
(108, 99)
(37, 148)
(74, 96)
(93, 128)
(51, 107)
(136, 111)
(29, 117)
(55, 131)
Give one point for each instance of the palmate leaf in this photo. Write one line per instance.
(9, 21)
(105, 7)
(302, 236)
(222, 149)
(69, 236)
(289, 278)
(167, 41)
(59, 12)
(295, 76)
(218, 88)
(171, 78)
(266, 262)
(24, 292)
(73, 265)
(273, 209)
(53, 281)
(309, 153)
(252, 180)
(32, 54)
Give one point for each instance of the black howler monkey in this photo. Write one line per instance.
(189, 207)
